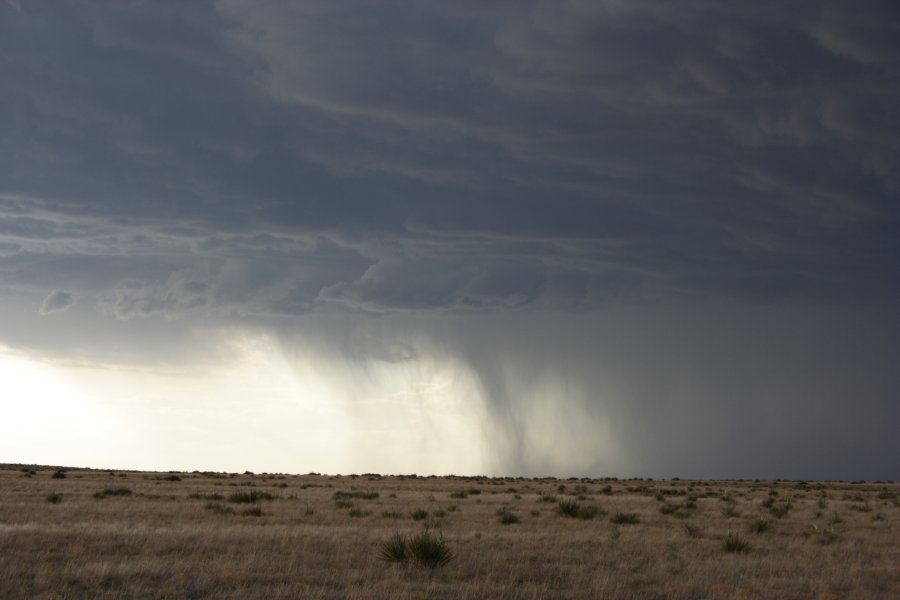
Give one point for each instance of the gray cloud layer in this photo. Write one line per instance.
(264, 162)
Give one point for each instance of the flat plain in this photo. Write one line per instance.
(77, 533)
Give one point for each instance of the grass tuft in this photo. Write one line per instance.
(733, 543)
(429, 550)
(394, 549)
(250, 497)
(625, 519)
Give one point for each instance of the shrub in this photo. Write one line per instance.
(392, 514)
(507, 517)
(54, 498)
(576, 510)
(459, 494)
(206, 496)
(361, 495)
(429, 550)
(625, 519)
(395, 549)
(424, 549)
(112, 492)
(587, 513)
(734, 543)
(253, 511)
(759, 525)
(58, 475)
(419, 514)
(249, 497)
(730, 511)
(779, 510)
(569, 508)
(547, 498)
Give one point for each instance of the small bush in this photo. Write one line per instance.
(547, 498)
(54, 498)
(249, 497)
(253, 511)
(780, 510)
(734, 543)
(430, 551)
(586, 513)
(625, 519)
(206, 496)
(569, 508)
(358, 512)
(112, 492)
(730, 511)
(170, 478)
(392, 514)
(759, 525)
(58, 475)
(460, 494)
(395, 549)
(419, 514)
(507, 517)
(424, 549)
(360, 495)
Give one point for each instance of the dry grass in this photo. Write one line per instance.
(837, 540)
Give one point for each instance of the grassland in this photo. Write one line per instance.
(67, 533)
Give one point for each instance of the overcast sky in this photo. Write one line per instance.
(585, 237)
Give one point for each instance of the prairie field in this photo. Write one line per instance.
(73, 533)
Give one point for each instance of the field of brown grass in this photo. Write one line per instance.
(99, 534)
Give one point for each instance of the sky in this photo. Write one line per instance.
(542, 238)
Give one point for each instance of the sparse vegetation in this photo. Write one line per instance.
(734, 543)
(429, 550)
(507, 517)
(250, 497)
(187, 539)
(625, 519)
(760, 525)
(107, 492)
(424, 549)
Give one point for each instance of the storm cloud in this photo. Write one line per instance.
(668, 234)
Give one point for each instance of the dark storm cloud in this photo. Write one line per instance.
(747, 151)
(412, 163)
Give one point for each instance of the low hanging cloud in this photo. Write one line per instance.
(57, 301)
